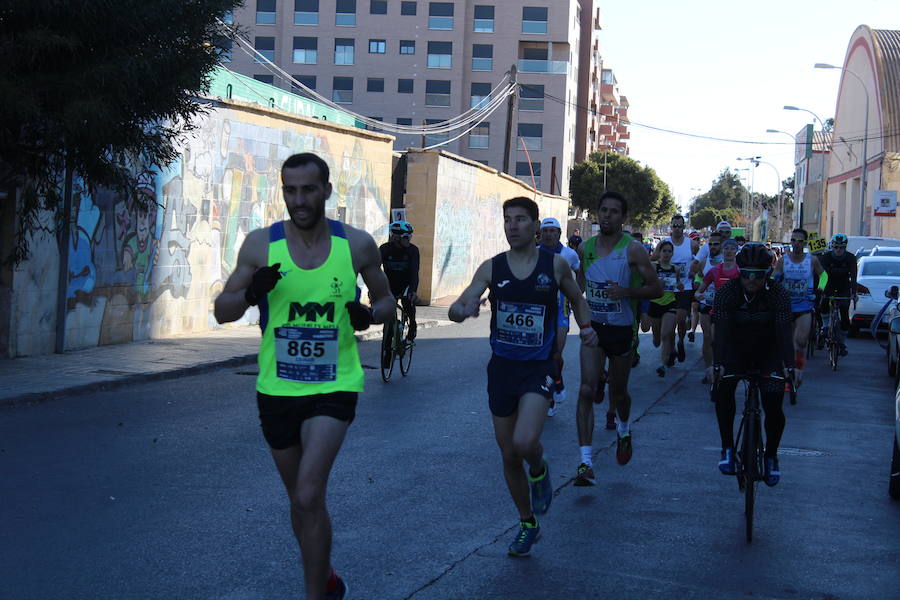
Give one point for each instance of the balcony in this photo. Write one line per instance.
(621, 129)
(555, 67)
(608, 92)
(625, 136)
(606, 128)
(606, 109)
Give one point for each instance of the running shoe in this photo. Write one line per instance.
(541, 491)
(551, 410)
(610, 420)
(584, 476)
(340, 592)
(661, 370)
(773, 472)
(528, 535)
(681, 355)
(691, 336)
(559, 396)
(726, 464)
(623, 448)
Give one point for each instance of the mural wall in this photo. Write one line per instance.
(455, 206)
(137, 274)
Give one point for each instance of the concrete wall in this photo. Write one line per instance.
(455, 206)
(135, 275)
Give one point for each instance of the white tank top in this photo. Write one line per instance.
(682, 256)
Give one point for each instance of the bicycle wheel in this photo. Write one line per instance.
(406, 346)
(750, 456)
(834, 351)
(387, 351)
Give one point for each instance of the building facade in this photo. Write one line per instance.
(422, 62)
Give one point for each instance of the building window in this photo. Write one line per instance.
(480, 95)
(342, 90)
(377, 46)
(480, 136)
(345, 13)
(408, 8)
(440, 55)
(435, 138)
(266, 47)
(437, 93)
(524, 173)
(377, 7)
(404, 86)
(484, 19)
(534, 19)
(270, 79)
(373, 127)
(343, 51)
(404, 121)
(440, 15)
(265, 12)
(307, 80)
(530, 136)
(375, 84)
(407, 47)
(531, 97)
(306, 12)
(306, 50)
(482, 57)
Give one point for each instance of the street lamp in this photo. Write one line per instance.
(865, 165)
(752, 159)
(813, 145)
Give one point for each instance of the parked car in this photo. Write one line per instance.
(858, 244)
(893, 339)
(874, 276)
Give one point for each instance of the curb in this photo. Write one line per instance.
(176, 373)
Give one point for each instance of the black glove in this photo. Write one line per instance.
(360, 315)
(264, 280)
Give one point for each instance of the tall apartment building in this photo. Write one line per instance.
(422, 62)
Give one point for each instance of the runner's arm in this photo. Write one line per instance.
(573, 294)
(469, 302)
(579, 272)
(231, 304)
(367, 262)
(639, 261)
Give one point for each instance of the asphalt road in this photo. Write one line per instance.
(167, 490)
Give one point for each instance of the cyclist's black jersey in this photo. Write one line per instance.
(841, 272)
(401, 265)
(753, 332)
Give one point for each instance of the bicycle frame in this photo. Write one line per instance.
(833, 335)
(393, 343)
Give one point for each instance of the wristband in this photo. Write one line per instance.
(586, 327)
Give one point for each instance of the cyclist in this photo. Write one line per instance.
(752, 320)
(550, 235)
(662, 310)
(524, 285)
(799, 272)
(612, 265)
(840, 271)
(400, 261)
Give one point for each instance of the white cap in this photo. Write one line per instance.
(723, 225)
(550, 222)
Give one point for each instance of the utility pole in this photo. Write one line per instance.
(62, 279)
(510, 107)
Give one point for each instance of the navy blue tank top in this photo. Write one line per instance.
(523, 311)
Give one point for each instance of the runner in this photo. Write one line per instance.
(302, 273)
(662, 309)
(695, 306)
(714, 257)
(611, 265)
(524, 289)
(681, 258)
(550, 235)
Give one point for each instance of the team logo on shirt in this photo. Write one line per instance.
(336, 287)
(502, 283)
(543, 282)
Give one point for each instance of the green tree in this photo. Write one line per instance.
(650, 199)
(710, 217)
(726, 191)
(98, 88)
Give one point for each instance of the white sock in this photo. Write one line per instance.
(622, 428)
(586, 452)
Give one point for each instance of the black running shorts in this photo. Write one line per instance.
(658, 310)
(684, 299)
(614, 340)
(282, 416)
(509, 380)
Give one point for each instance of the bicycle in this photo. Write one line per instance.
(832, 335)
(750, 455)
(394, 344)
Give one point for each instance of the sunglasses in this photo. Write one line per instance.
(754, 273)
(405, 236)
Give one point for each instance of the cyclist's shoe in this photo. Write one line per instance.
(551, 410)
(584, 476)
(726, 464)
(843, 349)
(773, 472)
(541, 491)
(623, 448)
(661, 370)
(610, 420)
(528, 534)
(340, 590)
(690, 336)
(680, 349)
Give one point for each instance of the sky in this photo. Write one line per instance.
(726, 69)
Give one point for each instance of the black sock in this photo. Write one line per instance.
(530, 520)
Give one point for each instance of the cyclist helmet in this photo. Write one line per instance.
(754, 256)
(401, 227)
(839, 239)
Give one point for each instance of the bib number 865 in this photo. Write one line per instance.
(520, 320)
(306, 349)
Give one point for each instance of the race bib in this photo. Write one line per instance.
(306, 354)
(797, 287)
(681, 269)
(599, 300)
(669, 282)
(520, 324)
(709, 295)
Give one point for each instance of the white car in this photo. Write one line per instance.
(874, 276)
(856, 243)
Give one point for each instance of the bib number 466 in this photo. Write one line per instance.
(306, 349)
(520, 320)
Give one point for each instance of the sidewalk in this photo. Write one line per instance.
(49, 376)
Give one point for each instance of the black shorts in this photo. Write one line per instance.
(797, 315)
(705, 309)
(614, 340)
(282, 416)
(508, 380)
(684, 299)
(658, 310)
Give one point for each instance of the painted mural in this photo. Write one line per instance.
(136, 274)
